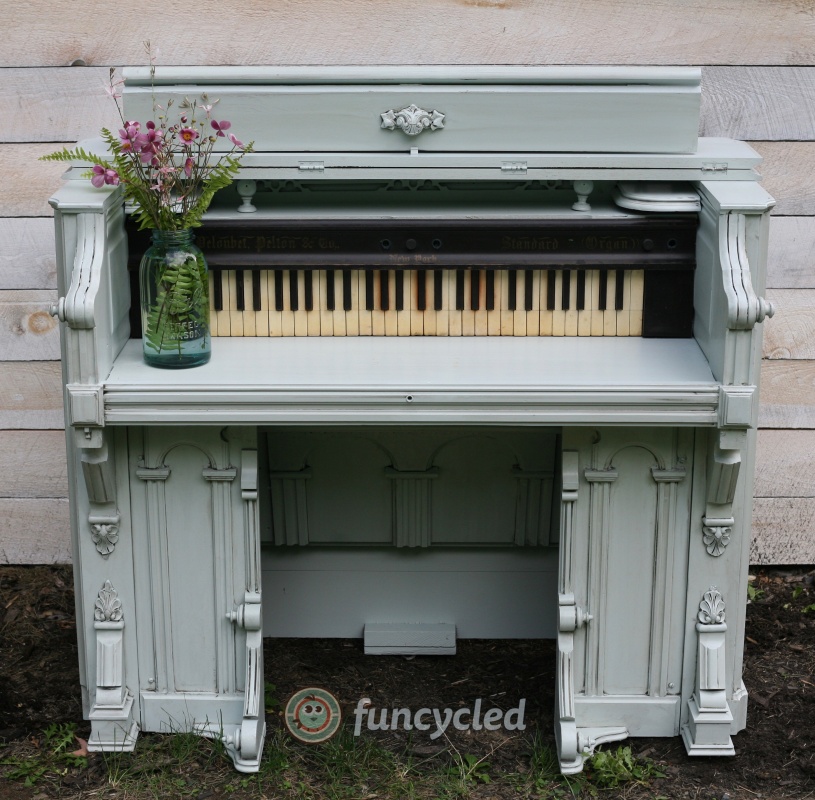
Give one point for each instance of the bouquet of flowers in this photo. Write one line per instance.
(165, 167)
(169, 173)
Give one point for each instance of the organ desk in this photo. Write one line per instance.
(486, 354)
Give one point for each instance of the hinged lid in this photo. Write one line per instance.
(440, 109)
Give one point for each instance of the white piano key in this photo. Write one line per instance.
(275, 316)
(338, 314)
(610, 315)
(454, 314)
(248, 314)
(288, 313)
(235, 316)
(352, 315)
(559, 314)
(442, 315)
(624, 314)
(365, 316)
(519, 315)
(637, 287)
(403, 316)
(584, 317)
(494, 315)
(507, 316)
(467, 313)
(570, 327)
(262, 316)
(545, 315)
(416, 316)
(481, 322)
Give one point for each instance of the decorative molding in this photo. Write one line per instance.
(716, 534)
(711, 609)
(744, 307)
(412, 120)
(108, 606)
(412, 505)
(104, 533)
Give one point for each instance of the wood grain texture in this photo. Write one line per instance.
(27, 331)
(53, 104)
(790, 334)
(34, 531)
(28, 183)
(784, 464)
(420, 32)
(33, 464)
(763, 103)
(31, 395)
(787, 175)
(27, 259)
(787, 394)
(783, 531)
(791, 257)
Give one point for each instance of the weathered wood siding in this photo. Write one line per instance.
(56, 59)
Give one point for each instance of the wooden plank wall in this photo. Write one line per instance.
(759, 85)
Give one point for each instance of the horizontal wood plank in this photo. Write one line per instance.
(28, 183)
(34, 531)
(787, 394)
(759, 103)
(791, 257)
(54, 104)
(27, 259)
(787, 173)
(31, 395)
(784, 464)
(783, 531)
(27, 331)
(420, 32)
(790, 334)
(33, 464)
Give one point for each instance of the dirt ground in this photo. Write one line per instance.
(775, 756)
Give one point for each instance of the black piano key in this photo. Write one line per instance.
(369, 290)
(330, 300)
(490, 293)
(278, 290)
(218, 290)
(475, 288)
(601, 305)
(459, 290)
(618, 289)
(400, 290)
(308, 288)
(256, 299)
(438, 289)
(529, 286)
(421, 289)
(551, 284)
(581, 289)
(346, 290)
(512, 289)
(566, 290)
(294, 297)
(384, 299)
(239, 295)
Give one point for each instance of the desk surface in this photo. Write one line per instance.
(421, 380)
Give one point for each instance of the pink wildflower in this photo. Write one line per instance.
(188, 134)
(188, 165)
(102, 176)
(222, 126)
(234, 139)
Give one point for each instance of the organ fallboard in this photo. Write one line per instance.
(486, 360)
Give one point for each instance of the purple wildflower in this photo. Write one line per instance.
(234, 139)
(188, 134)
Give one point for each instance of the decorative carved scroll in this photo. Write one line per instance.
(412, 120)
(744, 307)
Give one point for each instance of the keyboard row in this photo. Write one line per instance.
(449, 302)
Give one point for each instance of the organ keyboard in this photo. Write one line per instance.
(625, 275)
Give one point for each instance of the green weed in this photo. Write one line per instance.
(609, 769)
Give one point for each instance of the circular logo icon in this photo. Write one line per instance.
(313, 715)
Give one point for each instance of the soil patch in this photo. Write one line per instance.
(775, 756)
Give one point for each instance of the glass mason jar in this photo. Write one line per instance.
(174, 285)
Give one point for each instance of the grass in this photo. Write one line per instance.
(183, 765)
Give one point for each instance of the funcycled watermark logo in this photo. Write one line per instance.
(438, 720)
(313, 715)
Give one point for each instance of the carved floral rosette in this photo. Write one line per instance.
(412, 120)
(105, 535)
(716, 538)
(711, 609)
(108, 606)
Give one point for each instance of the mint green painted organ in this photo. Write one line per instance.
(561, 476)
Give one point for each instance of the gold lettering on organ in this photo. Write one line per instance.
(529, 243)
(607, 244)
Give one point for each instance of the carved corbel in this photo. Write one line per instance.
(744, 307)
(100, 483)
(707, 732)
(112, 725)
(724, 465)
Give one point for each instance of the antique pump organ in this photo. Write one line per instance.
(485, 365)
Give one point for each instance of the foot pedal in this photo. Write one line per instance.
(410, 639)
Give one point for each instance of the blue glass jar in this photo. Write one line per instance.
(174, 285)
